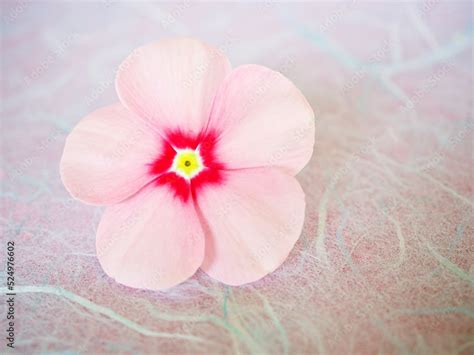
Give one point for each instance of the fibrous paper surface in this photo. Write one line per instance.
(385, 260)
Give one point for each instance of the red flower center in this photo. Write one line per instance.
(209, 173)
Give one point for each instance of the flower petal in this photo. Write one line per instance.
(172, 83)
(253, 221)
(264, 120)
(151, 240)
(106, 156)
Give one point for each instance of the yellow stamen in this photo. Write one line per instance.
(187, 163)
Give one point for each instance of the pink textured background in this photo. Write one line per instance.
(385, 261)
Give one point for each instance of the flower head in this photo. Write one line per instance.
(196, 164)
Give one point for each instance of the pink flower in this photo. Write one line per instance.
(196, 164)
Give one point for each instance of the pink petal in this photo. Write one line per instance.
(151, 240)
(253, 221)
(172, 83)
(106, 156)
(264, 120)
